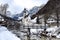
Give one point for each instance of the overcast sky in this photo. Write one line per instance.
(16, 6)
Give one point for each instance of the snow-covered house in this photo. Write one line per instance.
(27, 20)
(52, 7)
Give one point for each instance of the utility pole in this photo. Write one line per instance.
(28, 34)
(45, 23)
(37, 20)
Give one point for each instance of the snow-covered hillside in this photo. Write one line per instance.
(17, 16)
(34, 10)
(30, 12)
(7, 35)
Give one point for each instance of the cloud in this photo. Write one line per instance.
(24, 3)
(27, 3)
(19, 5)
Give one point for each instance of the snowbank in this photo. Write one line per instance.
(36, 30)
(7, 35)
(52, 29)
(58, 36)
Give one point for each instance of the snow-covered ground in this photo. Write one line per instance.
(53, 31)
(36, 31)
(7, 35)
(58, 36)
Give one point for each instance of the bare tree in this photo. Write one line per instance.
(3, 9)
